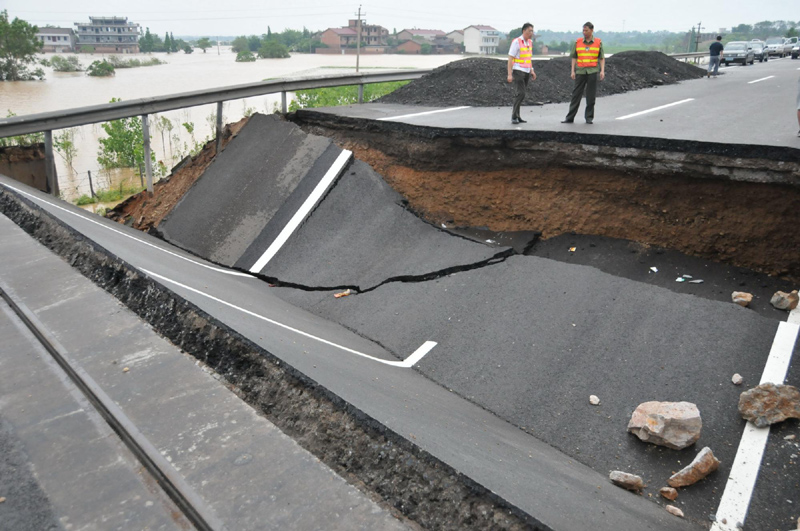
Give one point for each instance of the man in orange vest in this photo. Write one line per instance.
(588, 60)
(520, 68)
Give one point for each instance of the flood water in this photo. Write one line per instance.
(182, 73)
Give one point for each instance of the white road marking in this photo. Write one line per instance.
(86, 218)
(744, 472)
(422, 113)
(331, 175)
(407, 363)
(654, 109)
(757, 80)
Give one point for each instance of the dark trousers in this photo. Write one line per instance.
(588, 83)
(520, 80)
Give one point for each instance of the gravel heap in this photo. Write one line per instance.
(481, 82)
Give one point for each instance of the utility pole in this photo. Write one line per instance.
(358, 37)
(217, 45)
(697, 38)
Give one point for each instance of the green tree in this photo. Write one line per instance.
(239, 44)
(792, 32)
(64, 143)
(167, 43)
(253, 43)
(18, 48)
(124, 145)
(273, 50)
(187, 48)
(245, 56)
(425, 48)
(204, 43)
(66, 64)
(146, 44)
(173, 45)
(101, 69)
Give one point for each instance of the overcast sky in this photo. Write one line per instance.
(240, 17)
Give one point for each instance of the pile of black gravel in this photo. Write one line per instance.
(481, 82)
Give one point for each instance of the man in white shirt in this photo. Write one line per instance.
(520, 68)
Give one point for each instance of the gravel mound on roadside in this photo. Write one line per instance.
(481, 81)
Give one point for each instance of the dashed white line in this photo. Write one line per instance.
(742, 480)
(85, 218)
(407, 363)
(654, 109)
(422, 113)
(757, 80)
(331, 175)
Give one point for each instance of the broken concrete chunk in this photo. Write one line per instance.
(785, 301)
(742, 298)
(668, 493)
(594, 400)
(769, 403)
(671, 509)
(626, 481)
(702, 465)
(344, 293)
(737, 379)
(675, 425)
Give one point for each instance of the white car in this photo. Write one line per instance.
(777, 46)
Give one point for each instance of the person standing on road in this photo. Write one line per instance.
(520, 68)
(716, 56)
(588, 61)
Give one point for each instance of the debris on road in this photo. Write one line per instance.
(594, 400)
(737, 379)
(344, 293)
(654, 269)
(742, 298)
(696, 281)
(626, 481)
(785, 301)
(702, 465)
(769, 404)
(680, 279)
(671, 509)
(676, 425)
(126, 369)
(668, 493)
(572, 249)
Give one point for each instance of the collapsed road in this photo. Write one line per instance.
(523, 335)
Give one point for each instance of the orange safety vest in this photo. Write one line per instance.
(587, 53)
(525, 53)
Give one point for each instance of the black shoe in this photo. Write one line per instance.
(515, 121)
(567, 121)
(590, 122)
(520, 120)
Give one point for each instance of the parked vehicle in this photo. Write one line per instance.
(759, 51)
(791, 42)
(738, 52)
(776, 46)
(795, 51)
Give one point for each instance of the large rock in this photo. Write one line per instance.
(675, 425)
(785, 301)
(626, 481)
(702, 465)
(742, 298)
(769, 403)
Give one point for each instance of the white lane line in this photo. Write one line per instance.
(654, 109)
(422, 113)
(407, 363)
(744, 472)
(757, 80)
(85, 218)
(331, 175)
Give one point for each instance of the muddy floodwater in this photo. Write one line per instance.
(182, 73)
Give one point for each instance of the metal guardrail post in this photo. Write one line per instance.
(148, 164)
(219, 126)
(50, 163)
(361, 93)
(283, 102)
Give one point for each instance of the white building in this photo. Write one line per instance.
(482, 40)
(457, 36)
(58, 40)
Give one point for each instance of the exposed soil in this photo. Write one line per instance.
(143, 212)
(481, 82)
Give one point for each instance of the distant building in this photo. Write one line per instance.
(374, 38)
(481, 40)
(456, 36)
(107, 35)
(408, 47)
(57, 40)
(419, 34)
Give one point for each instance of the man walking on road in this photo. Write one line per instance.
(715, 57)
(520, 68)
(588, 61)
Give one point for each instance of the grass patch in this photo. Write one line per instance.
(345, 95)
(110, 195)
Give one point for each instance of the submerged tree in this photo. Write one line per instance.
(18, 47)
(204, 43)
